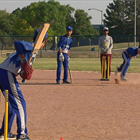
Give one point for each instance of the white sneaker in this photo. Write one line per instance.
(123, 78)
(116, 72)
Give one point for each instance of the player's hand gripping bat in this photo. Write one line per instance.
(38, 43)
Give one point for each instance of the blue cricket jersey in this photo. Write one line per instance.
(132, 51)
(65, 43)
(12, 63)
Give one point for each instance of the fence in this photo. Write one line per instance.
(87, 43)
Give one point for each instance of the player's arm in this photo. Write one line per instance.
(69, 53)
(61, 57)
(100, 45)
(21, 56)
(60, 44)
(69, 49)
(111, 44)
(129, 51)
(43, 43)
(27, 70)
(60, 50)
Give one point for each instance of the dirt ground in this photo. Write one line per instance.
(88, 109)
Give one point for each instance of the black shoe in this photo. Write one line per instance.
(66, 82)
(58, 82)
(1, 134)
(22, 137)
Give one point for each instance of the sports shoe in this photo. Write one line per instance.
(58, 82)
(23, 137)
(10, 136)
(123, 78)
(66, 82)
(116, 73)
(1, 134)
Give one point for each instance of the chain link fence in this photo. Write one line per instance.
(83, 46)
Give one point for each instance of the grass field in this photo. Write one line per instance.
(115, 47)
(84, 64)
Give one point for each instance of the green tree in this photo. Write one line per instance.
(120, 16)
(82, 25)
(6, 27)
(69, 18)
(21, 27)
(37, 13)
(26, 20)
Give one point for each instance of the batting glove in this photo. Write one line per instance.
(26, 76)
(61, 57)
(27, 70)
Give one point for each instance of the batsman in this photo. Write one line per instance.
(63, 54)
(17, 64)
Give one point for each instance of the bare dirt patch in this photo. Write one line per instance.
(88, 109)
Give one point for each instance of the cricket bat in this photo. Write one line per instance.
(38, 43)
(70, 74)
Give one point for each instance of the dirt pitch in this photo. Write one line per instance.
(88, 109)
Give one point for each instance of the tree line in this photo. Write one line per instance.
(24, 21)
(119, 18)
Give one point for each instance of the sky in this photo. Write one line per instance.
(101, 5)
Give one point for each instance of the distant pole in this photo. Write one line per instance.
(99, 11)
(101, 17)
(101, 20)
(135, 26)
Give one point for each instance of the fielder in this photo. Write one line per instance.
(63, 54)
(17, 64)
(127, 55)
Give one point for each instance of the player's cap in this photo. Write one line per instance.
(69, 28)
(105, 28)
(37, 31)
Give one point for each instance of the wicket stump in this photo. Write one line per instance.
(6, 116)
(105, 69)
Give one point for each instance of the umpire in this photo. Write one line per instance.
(106, 45)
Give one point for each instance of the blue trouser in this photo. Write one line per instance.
(124, 66)
(17, 104)
(65, 65)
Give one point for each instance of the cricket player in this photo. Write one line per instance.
(17, 64)
(106, 45)
(63, 54)
(127, 55)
